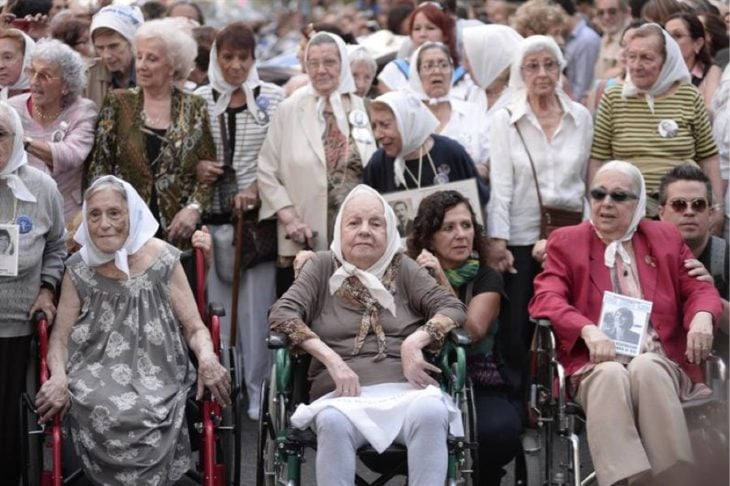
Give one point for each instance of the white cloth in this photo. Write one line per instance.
(468, 125)
(513, 209)
(673, 70)
(534, 43)
(18, 157)
(489, 49)
(226, 90)
(346, 85)
(142, 228)
(370, 277)
(414, 77)
(415, 124)
(379, 412)
(119, 18)
(22, 82)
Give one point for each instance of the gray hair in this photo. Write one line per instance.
(180, 46)
(626, 168)
(105, 182)
(361, 56)
(69, 62)
(434, 45)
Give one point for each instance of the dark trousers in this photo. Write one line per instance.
(284, 279)
(519, 289)
(14, 353)
(499, 428)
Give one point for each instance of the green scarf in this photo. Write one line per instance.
(465, 273)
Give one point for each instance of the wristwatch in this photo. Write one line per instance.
(26, 142)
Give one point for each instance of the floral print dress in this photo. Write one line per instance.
(129, 375)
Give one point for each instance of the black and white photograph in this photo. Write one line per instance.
(8, 253)
(403, 210)
(625, 320)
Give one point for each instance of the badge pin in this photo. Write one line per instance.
(358, 118)
(668, 128)
(25, 224)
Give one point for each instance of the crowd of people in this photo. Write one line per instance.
(597, 135)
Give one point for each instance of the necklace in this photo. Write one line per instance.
(154, 121)
(420, 167)
(46, 118)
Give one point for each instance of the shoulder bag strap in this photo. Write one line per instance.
(227, 155)
(532, 164)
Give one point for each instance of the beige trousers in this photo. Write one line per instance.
(635, 422)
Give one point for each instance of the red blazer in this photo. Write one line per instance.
(569, 291)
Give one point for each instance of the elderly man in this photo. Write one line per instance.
(112, 33)
(685, 198)
(612, 17)
(582, 45)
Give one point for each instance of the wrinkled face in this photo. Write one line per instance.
(108, 220)
(689, 46)
(454, 241)
(323, 67)
(114, 50)
(46, 84)
(7, 138)
(363, 231)
(385, 129)
(363, 78)
(235, 64)
(541, 72)
(424, 31)
(153, 67)
(644, 60)
(688, 209)
(610, 17)
(612, 218)
(11, 61)
(435, 70)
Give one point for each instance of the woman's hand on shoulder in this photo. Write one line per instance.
(429, 261)
(500, 258)
(52, 398)
(347, 383)
(415, 366)
(696, 269)
(212, 375)
(600, 347)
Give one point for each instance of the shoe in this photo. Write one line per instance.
(253, 414)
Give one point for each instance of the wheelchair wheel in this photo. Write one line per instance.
(31, 442)
(230, 429)
(270, 466)
(467, 472)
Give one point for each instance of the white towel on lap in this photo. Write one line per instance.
(379, 412)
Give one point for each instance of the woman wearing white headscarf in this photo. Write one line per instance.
(411, 155)
(314, 153)
(542, 127)
(31, 211)
(656, 119)
(370, 310)
(635, 424)
(15, 49)
(241, 108)
(118, 354)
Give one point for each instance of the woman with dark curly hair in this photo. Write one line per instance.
(447, 240)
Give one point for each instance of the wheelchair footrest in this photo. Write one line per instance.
(306, 437)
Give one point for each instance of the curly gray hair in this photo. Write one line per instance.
(69, 62)
(180, 46)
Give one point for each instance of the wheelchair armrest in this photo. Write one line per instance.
(277, 340)
(216, 309)
(460, 337)
(541, 322)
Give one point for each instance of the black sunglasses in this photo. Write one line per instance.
(698, 205)
(598, 194)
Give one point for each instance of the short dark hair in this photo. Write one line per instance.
(237, 35)
(430, 217)
(683, 172)
(396, 16)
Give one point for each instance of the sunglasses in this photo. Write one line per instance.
(598, 194)
(698, 205)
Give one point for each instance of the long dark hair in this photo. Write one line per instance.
(696, 31)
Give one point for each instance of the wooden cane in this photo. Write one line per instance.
(236, 280)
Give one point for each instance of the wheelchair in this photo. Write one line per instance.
(48, 457)
(552, 442)
(280, 448)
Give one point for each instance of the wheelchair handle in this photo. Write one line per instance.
(38, 316)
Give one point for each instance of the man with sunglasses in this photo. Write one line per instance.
(685, 200)
(612, 17)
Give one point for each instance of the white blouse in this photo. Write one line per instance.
(468, 126)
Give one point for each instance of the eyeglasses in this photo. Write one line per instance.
(6, 135)
(698, 204)
(433, 66)
(327, 63)
(598, 194)
(534, 67)
(43, 77)
(611, 12)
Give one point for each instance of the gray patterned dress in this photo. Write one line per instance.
(129, 374)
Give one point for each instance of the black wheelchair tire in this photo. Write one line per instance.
(230, 435)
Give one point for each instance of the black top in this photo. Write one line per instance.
(153, 144)
(720, 343)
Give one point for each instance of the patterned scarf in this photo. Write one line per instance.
(465, 273)
(353, 289)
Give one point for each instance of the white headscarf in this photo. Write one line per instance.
(415, 123)
(142, 228)
(414, 77)
(17, 158)
(369, 277)
(489, 49)
(218, 82)
(530, 45)
(674, 69)
(22, 82)
(616, 246)
(346, 85)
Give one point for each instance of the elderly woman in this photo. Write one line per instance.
(58, 123)
(118, 354)
(314, 153)
(32, 210)
(539, 17)
(241, 108)
(411, 155)
(15, 49)
(364, 291)
(445, 239)
(635, 427)
(656, 119)
(155, 136)
(540, 148)
(364, 68)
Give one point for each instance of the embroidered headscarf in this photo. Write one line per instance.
(376, 295)
(142, 227)
(18, 156)
(226, 90)
(489, 50)
(22, 82)
(414, 77)
(415, 124)
(616, 246)
(346, 84)
(674, 69)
